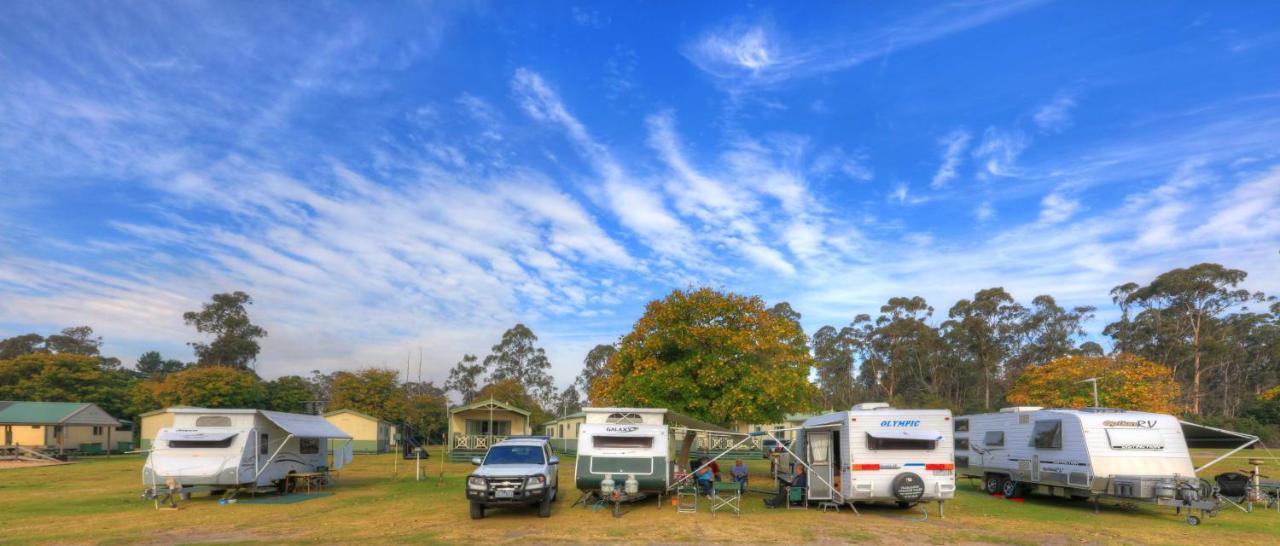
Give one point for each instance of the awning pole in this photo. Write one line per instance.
(1252, 440)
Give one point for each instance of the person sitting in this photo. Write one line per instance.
(704, 477)
(715, 470)
(739, 473)
(798, 480)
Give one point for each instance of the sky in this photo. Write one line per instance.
(388, 178)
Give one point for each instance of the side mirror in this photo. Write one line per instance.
(554, 460)
(475, 461)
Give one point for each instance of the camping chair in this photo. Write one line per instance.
(727, 497)
(797, 495)
(686, 499)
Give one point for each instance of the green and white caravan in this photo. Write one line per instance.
(630, 447)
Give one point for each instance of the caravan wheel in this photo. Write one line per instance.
(1011, 489)
(994, 483)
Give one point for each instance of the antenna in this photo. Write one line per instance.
(1093, 380)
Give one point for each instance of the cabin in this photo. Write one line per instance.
(476, 426)
(784, 430)
(369, 434)
(62, 426)
(564, 431)
(150, 423)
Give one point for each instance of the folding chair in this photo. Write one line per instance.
(727, 497)
(797, 494)
(687, 499)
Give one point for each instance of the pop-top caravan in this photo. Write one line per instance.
(878, 453)
(239, 448)
(619, 446)
(1086, 453)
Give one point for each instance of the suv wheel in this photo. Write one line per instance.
(544, 507)
(477, 510)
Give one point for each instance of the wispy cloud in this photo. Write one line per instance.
(1055, 115)
(953, 148)
(997, 154)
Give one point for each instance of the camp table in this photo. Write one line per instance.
(311, 479)
(728, 496)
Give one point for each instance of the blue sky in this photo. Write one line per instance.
(383, 177)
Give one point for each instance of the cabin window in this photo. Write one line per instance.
(962, 461)
(263, 442)
(1143, 439)
(624, 418)
(97, 431)
(213, 421)
(900, 444)
(993, 438)
(1047, 434)
(202, 444)
(309, 446)
(478, 427)
(962, 443)
(962, 425)
(633, 442)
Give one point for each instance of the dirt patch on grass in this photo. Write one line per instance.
(9, 463)
(191, 536)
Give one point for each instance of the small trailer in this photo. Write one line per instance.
(1088, 453)
(877, 453)
(234, 449)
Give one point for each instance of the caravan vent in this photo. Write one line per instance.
(870, 406)
(1016, 409)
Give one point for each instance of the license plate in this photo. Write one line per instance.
(504, 493)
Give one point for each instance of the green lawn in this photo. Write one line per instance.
(97, 502)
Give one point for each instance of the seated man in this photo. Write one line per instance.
(739, 473)
(799, 479)
(704, 477)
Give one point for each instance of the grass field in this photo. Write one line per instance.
(97, 502)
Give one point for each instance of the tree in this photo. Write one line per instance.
(833, 354)
(151, 364)
(290, 393)
(516, 357)
(595, 366)
(426, 412)
(900, 341)
(65, 377)
(375, 391)
(717, 356)
(464, 378)
(1124, 381)
(513, 392)
(21, 345)
(1048, 331)
(1194, 296)
(568, 402)
(76, 340)
(983, 331)
(211, 387)
(235, 337)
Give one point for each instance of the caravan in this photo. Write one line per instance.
(626, 450)
(234, 448)
(877, 453)
(1086, 453)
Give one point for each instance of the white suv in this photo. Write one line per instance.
(518, 470)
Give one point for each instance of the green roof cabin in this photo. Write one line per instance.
(62, 426)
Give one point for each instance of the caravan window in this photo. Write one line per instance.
(201, 444)
(900, 444)
(962, 425)
(213, 421)
(993, 438)
(632, 442)
(623, 418)
(962, 443)
(1047, 434)
(1135, 439)
(308, 446)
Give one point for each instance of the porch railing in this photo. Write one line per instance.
(475, 441)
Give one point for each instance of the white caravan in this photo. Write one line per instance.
(234, 448)
(878, 453)
(621, 445)
(1086, 453)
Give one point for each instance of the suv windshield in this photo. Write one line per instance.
(514, 455)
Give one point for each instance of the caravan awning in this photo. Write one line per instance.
(305, 426)
(895, 434)
(195, 435)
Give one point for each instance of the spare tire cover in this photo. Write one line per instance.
(907, 487)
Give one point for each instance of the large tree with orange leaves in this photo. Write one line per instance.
(1124, 381)
(717, 356)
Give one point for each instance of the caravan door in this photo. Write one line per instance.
(818, 445)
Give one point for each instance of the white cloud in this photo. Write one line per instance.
(984, 212)
(1056, 208)
(953, 147)
(998, 152)
(1055, 116)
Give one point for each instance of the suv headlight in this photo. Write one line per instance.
(535, 482)
(475, 482)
